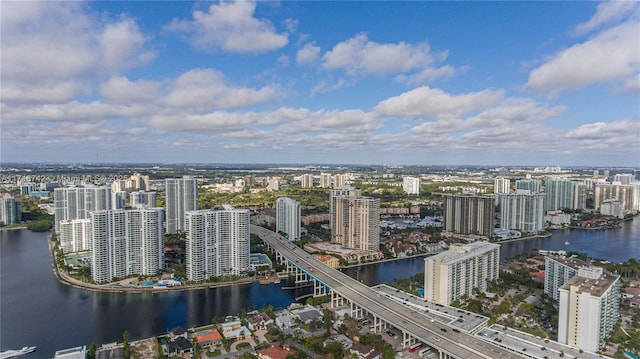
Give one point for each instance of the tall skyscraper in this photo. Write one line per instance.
(288, 217)
(118, 199)
(10, 212)
(579, 195)
(325, 180)
(522, 211)
(558, 194)
(339, 180)
(306, 180)
(75, 235)
(535, 186)
(77, 202)
(181, 196)
(126, 242)
(624, 193)
(362, 229)
(501, 185)
(217, 243)
(411, 185)
(337, 211)
(469, 214)
(557, 271)
(589, 308)
(142, 198)
(450, 275)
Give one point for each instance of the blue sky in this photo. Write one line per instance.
(475, 83)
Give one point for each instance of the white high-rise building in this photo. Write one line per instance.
(306, 180)
(558, 194)
(533, 185)
(362, 225)
(579, 195)
(450, 275)
(142, 198)
(75, 235)
(501, 185)
(523, 211)
(611, 207)
(411, 185)
(218, 243)
(118, 199)
(589, 308)
(339, 180)
(325, 180)
(77, 202)
(624, 193)
(557, 271)
(624, 178)
(10, 212)
(288, 218)
(126, 242)
(181, 197)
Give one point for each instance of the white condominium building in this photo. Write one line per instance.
(9, 210)
(411, 185)
(339, 180)
(624, 193)
(75, 235)
(325, 180)
(77, 202)
(522, 211)
(501, 185)
(181, 196)
(558, 194)
(126, 242)
(557, 271)
(288, 218)
(589, 308)
(306, 181)
(450, 275)
(142, 198)
(218, 243)
(535, 186)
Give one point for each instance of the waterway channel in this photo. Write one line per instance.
(35, 309)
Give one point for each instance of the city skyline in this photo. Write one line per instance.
(321, 82)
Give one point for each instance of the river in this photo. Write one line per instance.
(35, 309)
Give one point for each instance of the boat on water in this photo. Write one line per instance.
(273, 280)
(14, 353)
(566, 243)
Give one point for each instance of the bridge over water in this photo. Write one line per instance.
(386, 313)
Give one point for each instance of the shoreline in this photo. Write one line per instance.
(544, 235)
(66, 279)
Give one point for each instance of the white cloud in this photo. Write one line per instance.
(217, 122)
(606, 12)
(607, 130)
(120, 89)
(62, 47)
(283, 60)
(121, 45)
(431, 74)
(308, 55)
(358, 55)
(633, 84)
(204, 89)
(230, 26)
(291, 24)
(612, 55)
(435, 103)
(514, 112)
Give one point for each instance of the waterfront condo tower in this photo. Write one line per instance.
(523, 211)
(77, 202)
(181, 196)
(589, 308)
(558, 194)
(218, 243)
(354, 219)
(469, 214)
(126, 242)
(288, 217)
(450, 275)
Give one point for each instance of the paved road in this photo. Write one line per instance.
(437, 335)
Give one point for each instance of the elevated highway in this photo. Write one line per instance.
(385, 311)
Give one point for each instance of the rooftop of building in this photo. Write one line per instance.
(458, 253)
(596, 286)
(571, 262)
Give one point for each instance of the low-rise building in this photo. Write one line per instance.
(276, 351)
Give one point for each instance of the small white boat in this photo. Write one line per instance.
(14, 353)
(566, 243)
